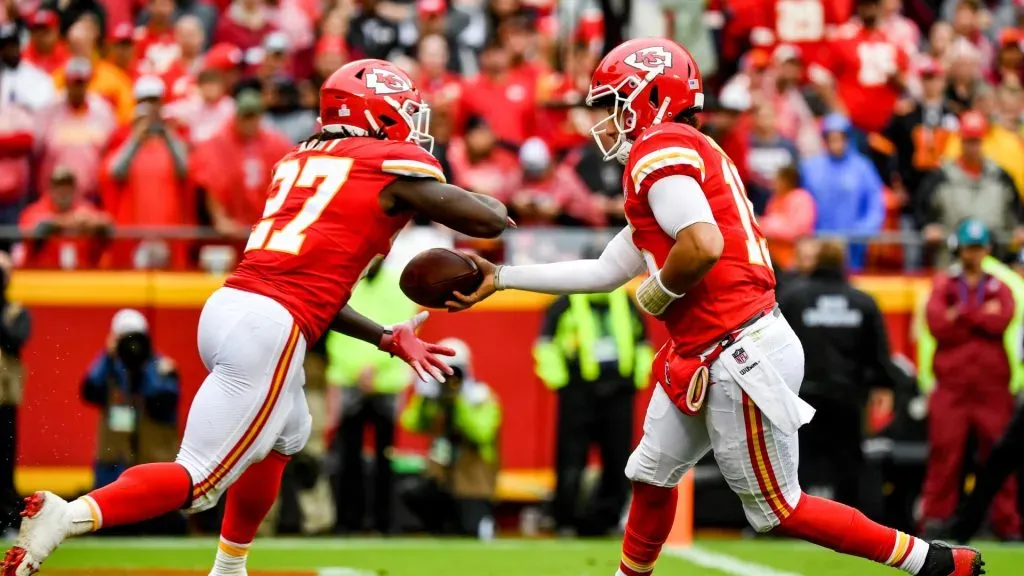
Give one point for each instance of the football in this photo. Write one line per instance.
(432, 275)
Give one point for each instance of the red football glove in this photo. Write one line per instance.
(401, 341)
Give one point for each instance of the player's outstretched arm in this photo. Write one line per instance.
(463, 211)
(619, 262)
(398, 340)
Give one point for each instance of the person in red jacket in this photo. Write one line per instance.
(968, 313)
(45, 48)
(61, 229)
(244, 24)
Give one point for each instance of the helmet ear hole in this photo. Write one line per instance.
(360, 74)
(387, 121)
(654, 96)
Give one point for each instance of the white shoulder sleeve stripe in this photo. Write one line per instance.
(413, 169)
(659, 159)
(678, 202)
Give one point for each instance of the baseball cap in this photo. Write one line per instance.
(735, 97)
(973, 125)
(786, 53)
(123, 32)
(128, 321)
(8, 33)
(78, 68)
(534, 155)
(1010, 37)
(930, 67)
(223, 56)
(249, 102)
(62, 175)
(835, 123)
(431, 7)
(971, 232)
(43, 19)
(147, 87)
(276, 42)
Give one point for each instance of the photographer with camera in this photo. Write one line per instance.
(137, 390)
(14, 331)
(462, 418)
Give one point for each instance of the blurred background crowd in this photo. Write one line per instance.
(140, 134)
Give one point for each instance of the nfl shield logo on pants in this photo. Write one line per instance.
(740, 355)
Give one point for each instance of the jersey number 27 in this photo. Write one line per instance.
(332, 172)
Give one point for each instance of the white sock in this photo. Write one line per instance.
(909, 553)
(230, 558)
(85, 516)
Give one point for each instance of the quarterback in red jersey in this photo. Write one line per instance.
(334, 205)
(729, 377)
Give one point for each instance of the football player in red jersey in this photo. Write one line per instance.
(335, 203)
(729, 376)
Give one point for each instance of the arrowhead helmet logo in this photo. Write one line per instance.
(653, 59)
(386, 82)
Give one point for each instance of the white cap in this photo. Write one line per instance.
(735, 97)
(127, 321)
(149, 87)
(462, 359)
(534, 155)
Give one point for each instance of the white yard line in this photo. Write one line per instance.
(724, 563)
(343, 571)
(323, 544)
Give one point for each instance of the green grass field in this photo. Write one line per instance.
(415, 557)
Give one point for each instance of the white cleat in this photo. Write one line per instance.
(44, 526)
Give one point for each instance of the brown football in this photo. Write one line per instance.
(432, 275)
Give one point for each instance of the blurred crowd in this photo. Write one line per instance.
(155, 119)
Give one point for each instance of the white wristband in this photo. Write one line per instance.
(497, 278)
(653, 297)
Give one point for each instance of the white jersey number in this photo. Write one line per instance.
(332, 173)
(799, 20)
(757, 245)
(877, 63)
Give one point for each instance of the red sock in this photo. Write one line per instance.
(846, 530)
(650, 520)
(250, 498)
(143, 492)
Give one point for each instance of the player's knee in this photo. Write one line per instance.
(650, 465)
(294, 441)
(203, 496)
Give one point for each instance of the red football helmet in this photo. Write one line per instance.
(643, 81)
(375, 98)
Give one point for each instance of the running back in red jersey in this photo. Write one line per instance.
(742, 283)
(323, 224)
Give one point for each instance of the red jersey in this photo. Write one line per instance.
(323, 224)
(863, 63)
(803, 23)
(742, 283)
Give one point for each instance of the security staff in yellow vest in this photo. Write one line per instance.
(593, 351)
(366, 383)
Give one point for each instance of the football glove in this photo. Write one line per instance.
(401, 340)
(653, 297)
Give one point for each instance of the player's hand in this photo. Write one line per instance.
(422, 356)
(487, 287)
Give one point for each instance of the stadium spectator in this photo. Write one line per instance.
(1009, 109)
(866, 88)
(940, 41)
(208, 109)
(846, 188)
(107, 80)
(441, 89)
(137, 391)
(244, 24)
(920, 133)
(146, 180)
(604, 179)
(593, 352)
(273, 60)
(731, 125)
(501, 98)
(793, 117)
(228, 59)
(1009, 62)
(788, 216)
(847, 362)
(967, 20)
(768, 152)
(366, 384)
(461, 418)
(233, 167)
(968, 313)
(899, 29)
(190, 37)
(21, 81)
(286, 114)
(993, 199)
(1001, 146)
(45, 48)
(545, 191)
(329, 55)
(63, 231)
(121, 48)
(15, 329)
(562, 120)
(478, 164)
(191, 13)
(75, 131)
(965, 75)
(17, 139)
(155, 45)
(373, 31)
